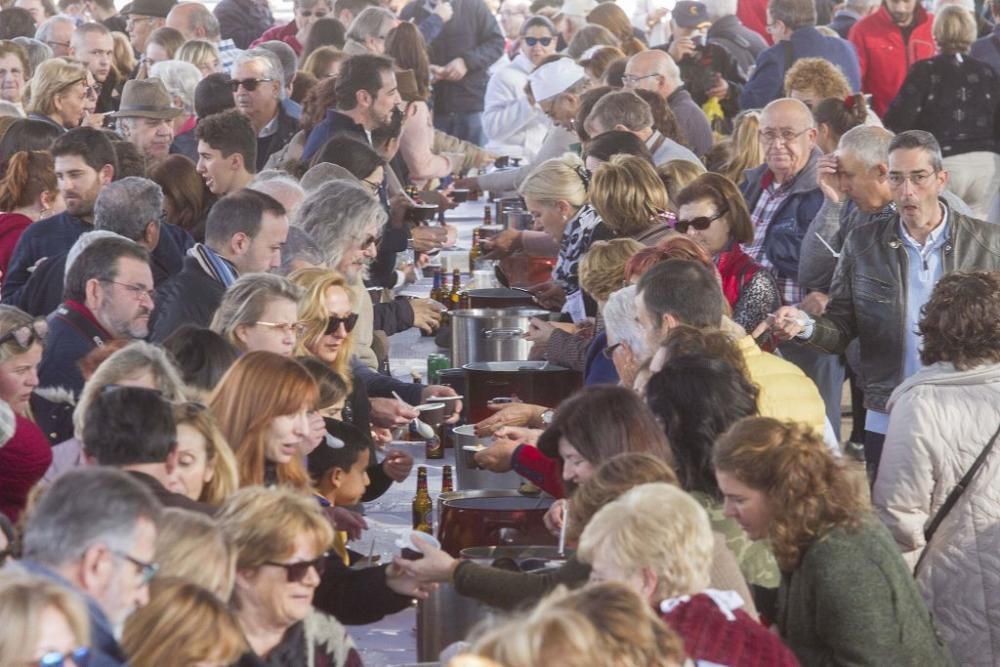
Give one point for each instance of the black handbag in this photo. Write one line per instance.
(953, 497)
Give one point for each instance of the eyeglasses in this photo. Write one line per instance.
(373, 186)
(632, 79)
(249, 85)
(768, 137)
(334, 322)
(296, 572)
(700, 223)
(609, 352)
(917, 178)
(26, 336)
(137, 291)
(370, 241)
(296, 328)
(544, 41)
(53, 44)
(147, 570)
(93, 92)
(80, 657)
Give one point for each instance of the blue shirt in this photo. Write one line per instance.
(924, 268)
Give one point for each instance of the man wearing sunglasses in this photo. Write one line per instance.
(258, 88)
(94, 531)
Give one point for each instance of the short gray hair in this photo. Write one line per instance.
(620, 321)
(336, 215)
(622, 107)
(85, 507)
(127, 207)
(38, 51)
(272, 66)
(868, 144)
(919, 139)
(180, 78)
(245, 300)
(83, 242)
(285, 55)
(279, 185)
(371, 22)
(718, 8)
(44, 31)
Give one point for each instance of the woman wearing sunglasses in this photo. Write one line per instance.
(711, 211)
(513, 125)
(281, 539)
(44, 624)
(25, 456)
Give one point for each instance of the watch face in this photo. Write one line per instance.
(547, 417)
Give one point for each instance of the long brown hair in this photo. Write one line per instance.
(185, 191)
(28, 175)
(259, 387)
(809, 493)
(405, 45)
(614, 18)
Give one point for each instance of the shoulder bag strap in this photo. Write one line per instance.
(954, 496)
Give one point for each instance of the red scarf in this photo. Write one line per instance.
(737, 269)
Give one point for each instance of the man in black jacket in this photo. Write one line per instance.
(244, 233)
(460, 56)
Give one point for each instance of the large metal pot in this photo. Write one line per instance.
(491, 334)
(501, 297)
(470, 476)
(537, 382)
(488, 518)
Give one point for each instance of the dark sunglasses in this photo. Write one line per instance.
(249, 85)
(296, 572)
(701, 224)
(26, 335)
(544, 41)
(80, 657)
(334, 322)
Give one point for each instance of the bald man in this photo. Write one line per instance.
(656, 71)
(195, 21)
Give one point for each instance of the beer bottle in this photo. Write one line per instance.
(487, 216)
(433, 447)
(422, 505)
(436, 289)
(444, 289)
(474, 250)
(456, 285)
(446, 484)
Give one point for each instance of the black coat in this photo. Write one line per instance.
(243, 21)
(190, 297)
(266, 146)
(741, 42)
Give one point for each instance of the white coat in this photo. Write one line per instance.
(512, 125)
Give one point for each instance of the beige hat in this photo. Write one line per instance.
(555, 77)
(146, 98)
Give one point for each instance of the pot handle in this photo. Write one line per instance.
(505, 334)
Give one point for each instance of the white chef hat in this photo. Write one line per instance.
(555, 77)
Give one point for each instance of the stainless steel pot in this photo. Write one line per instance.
(469, 475)
(491, 334)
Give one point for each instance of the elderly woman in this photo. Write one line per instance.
(260, 312)
(59, 91)
(44, 623)
(512, 124)
(626, 341)
(781, 484)
(180, 79)
(368, 31)
(711, 211)
(281, 539)
(955, 98)
(15, 69)
(657, 540)
(942, 419)
(296, 32)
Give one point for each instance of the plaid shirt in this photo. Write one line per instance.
(771, 198)
(228, 52)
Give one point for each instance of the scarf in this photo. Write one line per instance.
(214, 264)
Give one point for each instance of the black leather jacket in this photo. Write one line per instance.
(867, 299)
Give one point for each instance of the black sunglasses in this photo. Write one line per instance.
(544, 41)
(249, 85)
(334, 322)
(296, 572)
(25, 336)
(701, 224)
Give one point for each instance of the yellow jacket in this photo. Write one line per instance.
(786, 392)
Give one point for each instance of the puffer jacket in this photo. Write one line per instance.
(868, 296)
(940, 420)
(511, 123)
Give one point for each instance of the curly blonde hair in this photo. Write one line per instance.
(809, 493)
(819, 76)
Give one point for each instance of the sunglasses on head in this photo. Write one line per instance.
(544, 41)
(701, 223)
(296, 572)
(80, 657)
(334, 322)
(25, 336)
(249, 85)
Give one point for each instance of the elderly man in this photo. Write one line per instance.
(258, 87)
(195, 21)
(368, 31)
(794, 21)
(886, 274)
(624, 110)
(57, 33)
(656, 71)
(143, 17)
(145, 118)
(93, 45)
(94, 531)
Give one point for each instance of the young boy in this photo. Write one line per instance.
(338, 467)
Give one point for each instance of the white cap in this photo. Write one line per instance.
(577, 7)
(555, 77)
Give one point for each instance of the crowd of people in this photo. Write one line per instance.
(754, 208)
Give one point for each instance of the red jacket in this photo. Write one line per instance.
(884, 57)
(23, 461)
(282, 33)
(11, 227)
(539, 469)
